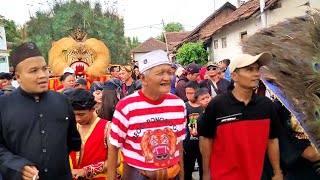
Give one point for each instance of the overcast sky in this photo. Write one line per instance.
(142, 18)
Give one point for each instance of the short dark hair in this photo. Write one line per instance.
(200, 92)
(6, 76)
(65, 75)
(81, 99)
(113, 67)
(226, 61)
(192, 84)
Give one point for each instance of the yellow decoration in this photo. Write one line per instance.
(90, 54)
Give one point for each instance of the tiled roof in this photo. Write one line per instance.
(150, 45)
(242, 13)
(213, 16)
(174, 38)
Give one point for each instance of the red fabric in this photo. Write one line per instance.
(202, 73)
(94, 149)
(59, 88)
(239, 150)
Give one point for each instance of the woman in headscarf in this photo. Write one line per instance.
(111, 94)
(96, 89)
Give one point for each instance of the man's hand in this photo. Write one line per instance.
(76, 173)
(277, 176)
(30, 173)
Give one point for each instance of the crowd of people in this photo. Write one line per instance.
(154, 120)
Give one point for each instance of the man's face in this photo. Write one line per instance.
(83, 117)
(115, 72)
(204, 100)
(190, 94)
(32, 74)
(5, 82)
(98, 96)
(247, 77)
(158, 79)
(212, 71)
(124, 75)
(222, 65)
(173, 70)
(193, 77)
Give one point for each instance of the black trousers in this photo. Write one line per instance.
(189, 159)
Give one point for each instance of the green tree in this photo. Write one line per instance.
(192, 53)
(11, 30)
(174, 27)
(105, 25)
(133, 42)
(171, 27)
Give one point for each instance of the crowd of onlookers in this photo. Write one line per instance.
(214, 115)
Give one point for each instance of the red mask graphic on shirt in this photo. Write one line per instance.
(159, 146)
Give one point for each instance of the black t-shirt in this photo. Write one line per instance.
(240, 133)
(192, 138)
(225, 109)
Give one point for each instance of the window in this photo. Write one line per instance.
(215, 44)
(224, 42)
(278, 5)
(243, 36)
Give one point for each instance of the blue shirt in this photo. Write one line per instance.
(173, 85)
(227, 75)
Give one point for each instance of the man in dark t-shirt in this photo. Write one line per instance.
(191, 143)
(299, 159)
(239, 126)
(214, 83)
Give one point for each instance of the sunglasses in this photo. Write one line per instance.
(212, 68)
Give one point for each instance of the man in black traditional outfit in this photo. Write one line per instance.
(37, 126)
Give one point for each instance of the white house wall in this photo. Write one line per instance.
(232, 33)
(4, 66)
(137, 56)
(289, 9)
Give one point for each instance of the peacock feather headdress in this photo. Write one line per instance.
(294, 74)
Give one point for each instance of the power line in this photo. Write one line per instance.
(144, 27)
(152, 26)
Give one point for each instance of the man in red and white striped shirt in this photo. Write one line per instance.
(148, 126)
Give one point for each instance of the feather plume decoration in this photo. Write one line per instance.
(294, 74)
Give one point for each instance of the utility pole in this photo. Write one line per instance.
(165, 37)
(263, 13)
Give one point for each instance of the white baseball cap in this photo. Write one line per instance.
(152, 59)
(244, 60)
(68, 70)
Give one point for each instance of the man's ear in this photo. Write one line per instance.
(17, 76)
(92, 110)
(234, 76)
(143, 80)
